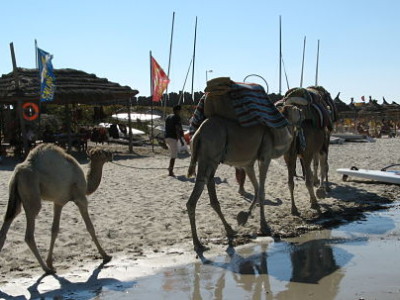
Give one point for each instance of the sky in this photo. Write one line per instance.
(358, 54)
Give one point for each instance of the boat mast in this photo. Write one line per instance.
(280, 55)
(302, 63)
(316, 71)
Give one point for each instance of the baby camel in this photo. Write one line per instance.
(49, 173)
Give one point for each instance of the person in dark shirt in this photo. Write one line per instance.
(173, 133)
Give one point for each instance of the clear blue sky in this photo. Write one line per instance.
(359, 41)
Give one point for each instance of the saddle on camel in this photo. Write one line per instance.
(246, 103)
(311, 139)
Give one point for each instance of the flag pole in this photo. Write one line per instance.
(19, 102)
(36, 55)
(316, 71)
(194, 56)
(37, 67)
(284, 70)
(302, 63)
(166, 98)
(184, 83)
(280, 55)
(151, 100)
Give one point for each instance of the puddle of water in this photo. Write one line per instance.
(358, 260)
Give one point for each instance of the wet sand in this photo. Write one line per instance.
(140, 218)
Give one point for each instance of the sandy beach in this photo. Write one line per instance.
(139, 212)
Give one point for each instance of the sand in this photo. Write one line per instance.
(139, 212)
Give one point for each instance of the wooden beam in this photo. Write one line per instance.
(19, 102)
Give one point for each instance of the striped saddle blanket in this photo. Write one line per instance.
(245, 102)
(252, 106)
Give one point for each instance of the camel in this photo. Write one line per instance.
(315, 147)
(49, 173)
(220, 140)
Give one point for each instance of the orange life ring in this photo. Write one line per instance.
(30, 111)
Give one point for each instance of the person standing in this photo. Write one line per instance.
(173, 133)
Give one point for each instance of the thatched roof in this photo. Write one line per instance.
(72, 86)
(341, 106)
(372, 107)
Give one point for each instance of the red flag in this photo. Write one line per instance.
(159, 80)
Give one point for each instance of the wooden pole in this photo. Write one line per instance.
(286, 77)
(166, 95)
(68, 126)
(316, 71)
(19, 103)
(280, 55)
(184, 83)
(302, 63)
(151, 99)
(130, 125)
(194, 56)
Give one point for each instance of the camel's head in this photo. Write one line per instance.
(98, 154)
(293, 114)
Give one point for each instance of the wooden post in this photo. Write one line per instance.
(316, 71)
(151, 101)
(68, 126)
(130, 125)
(194, 57)
(302, 63)
(280, 55)
(19, 101)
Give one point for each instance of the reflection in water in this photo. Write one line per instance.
(307, 262)
(312, 260)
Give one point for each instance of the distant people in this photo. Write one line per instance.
(173, 133)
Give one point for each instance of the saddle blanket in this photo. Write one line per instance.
(253, 107)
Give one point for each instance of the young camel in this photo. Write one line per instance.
(315, 148)
(49, 173)
(219, 140)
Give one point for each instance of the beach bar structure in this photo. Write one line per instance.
(72, 87)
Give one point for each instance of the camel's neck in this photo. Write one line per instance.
(93, 177)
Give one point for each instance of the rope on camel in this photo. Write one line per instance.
(146, 168)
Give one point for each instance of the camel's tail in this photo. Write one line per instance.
(193, 160)
(13, 209)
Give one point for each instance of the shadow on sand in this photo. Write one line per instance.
(89, 289)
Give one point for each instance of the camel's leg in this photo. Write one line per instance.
(83, 208)
(240, 178)
(31, 211)
(323, 186)
(316, 160)
(216, 206)
(191, 208)
(253, 179)
(54, 232)
(263, 169)
(290, 160)
(13, 209)
(325, 169)
(309, 182)
(243, 216)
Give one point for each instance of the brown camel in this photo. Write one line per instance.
(220, 140)
(49, 173)
(311, 142)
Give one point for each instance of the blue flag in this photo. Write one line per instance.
(47, 78)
